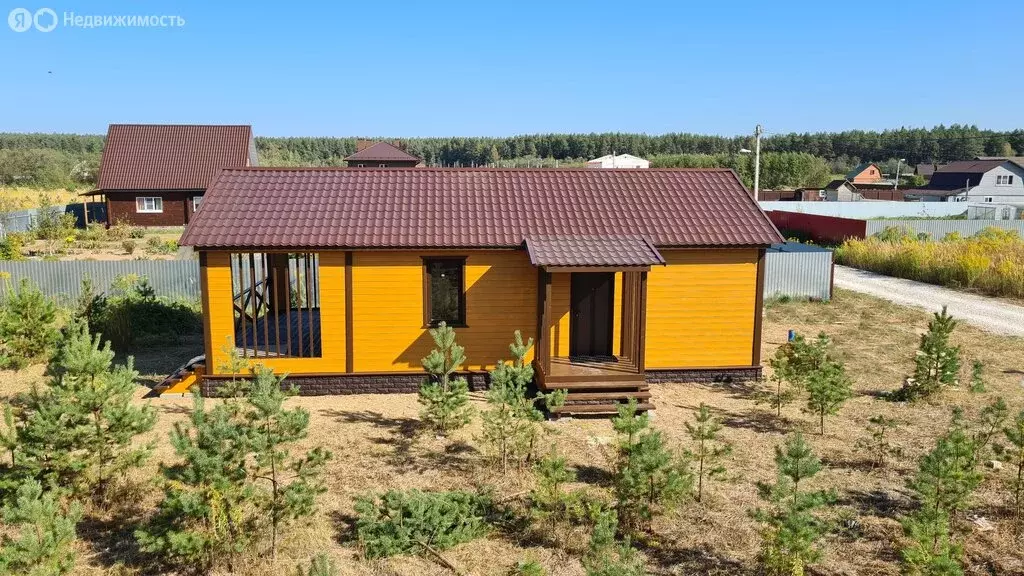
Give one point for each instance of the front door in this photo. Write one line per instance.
(590, 321)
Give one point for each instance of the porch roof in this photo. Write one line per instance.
(605, 251)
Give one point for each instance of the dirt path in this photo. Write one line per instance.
(986, 313)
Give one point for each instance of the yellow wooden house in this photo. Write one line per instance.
(621, 277)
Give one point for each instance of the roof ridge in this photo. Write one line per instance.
(469, 169)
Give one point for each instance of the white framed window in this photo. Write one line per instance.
(1004, 180)
(150, 204)
(382, 165)
(988, 198)
(196, 201)
(360, 165)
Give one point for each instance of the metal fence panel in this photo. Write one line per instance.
(798, 275)
(63, 280)
(939, 228)
(870, 209)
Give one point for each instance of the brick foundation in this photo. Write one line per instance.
(704, 375)
(339, 384)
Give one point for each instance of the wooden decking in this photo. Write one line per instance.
(595, 385)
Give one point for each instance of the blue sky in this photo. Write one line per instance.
(414, 68)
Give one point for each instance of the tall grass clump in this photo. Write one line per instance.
(991, 262)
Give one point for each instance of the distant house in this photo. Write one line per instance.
(371, 154)
(926, 170)
(156, 174)
(841, 190)
(865, 173)
(619, 161)
(998, 181)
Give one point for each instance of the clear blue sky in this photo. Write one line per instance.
(417, 68)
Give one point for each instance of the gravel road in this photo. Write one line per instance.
(986, 313)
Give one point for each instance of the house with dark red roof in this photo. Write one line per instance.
(617, 278)
(370, 154)
(156, 174)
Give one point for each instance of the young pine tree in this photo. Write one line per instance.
(828, 387)
(790, 529)
(945, 479)
(605, 556)
(28, 325)
(977, 376)
(78, 433)
(44, 543)
(648, 476)
(709, 450)
(879, 445)
(445, 399)
(293, 483)
(1014, 434)
(512, 422)
(937, 363)
(549, 503)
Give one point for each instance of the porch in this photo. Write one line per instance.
(603, 365)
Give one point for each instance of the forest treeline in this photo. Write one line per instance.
(62, 160)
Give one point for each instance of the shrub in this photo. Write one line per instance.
(1015, 455)
(28, 325)
(445, 399)
(44, 545)
(121, 230)
(128, 246)
(52, 225)
(155, 245)
(133, 315)
(11, 247)
(879, 446)
(407, 522)
(321, 565)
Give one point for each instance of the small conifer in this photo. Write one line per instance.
(709, 450)
(445, 398)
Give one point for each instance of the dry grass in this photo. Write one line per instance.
(22, 198)
(375, 448)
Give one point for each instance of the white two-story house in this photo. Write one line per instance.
(988, 181)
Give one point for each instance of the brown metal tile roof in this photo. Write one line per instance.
(382, 151)
(473, 208)
(170, 157)
(592, 251)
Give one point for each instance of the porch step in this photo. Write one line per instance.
(609, 408)
(632, 384)
(612, 395)
(183, 378)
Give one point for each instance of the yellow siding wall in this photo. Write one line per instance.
(220, 317)
(700, 309)
(387, 292)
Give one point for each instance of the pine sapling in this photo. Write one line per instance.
(828, 387)
(1014, 434)
(294, 483)
(445, 398)
(879, 444)
(709, 450)
(790, 529)
(937, 362)
(648, 476)
(28, 325)
(549, 501)
(44, 543)
(977, 376)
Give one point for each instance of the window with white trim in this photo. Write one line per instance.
(1004, 180)
(196, 201)
(988, 198)
(151, 204)
(382, 165)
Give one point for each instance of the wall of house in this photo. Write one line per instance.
(386, 163)
(177, 208)
(866, 175)
(987, 187)
(700, 309)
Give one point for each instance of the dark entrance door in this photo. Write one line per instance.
(590, 321)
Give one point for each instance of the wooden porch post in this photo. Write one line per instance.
(642, 321)
(542, 352)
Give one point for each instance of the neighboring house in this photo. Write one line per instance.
(841, 190)
(865, 173)
(619, 277)
(926, 170)
(380, 155)
(798, 195)
(156, 174)
(999, 181)
(619, 161)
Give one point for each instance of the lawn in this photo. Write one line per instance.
(376, 447)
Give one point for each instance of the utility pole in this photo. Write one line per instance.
(757, 159)
(898, 164)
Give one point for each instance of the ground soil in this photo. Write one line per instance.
(377, 446)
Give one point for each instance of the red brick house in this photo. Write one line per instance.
(371, 154)
(156, 174)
